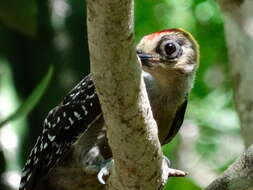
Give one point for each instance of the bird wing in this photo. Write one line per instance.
(61, 128)
(177, 122)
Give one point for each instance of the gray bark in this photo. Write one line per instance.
(239, 176)
(239, 36)
(132, 131)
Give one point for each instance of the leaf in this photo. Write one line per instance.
(169, 148)
(224, 166)
(181, 184)
(20, 14)
(27, 106)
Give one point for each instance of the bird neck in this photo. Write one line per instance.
(174, 84)
(170, 88)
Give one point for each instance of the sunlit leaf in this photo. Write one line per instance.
(181, 184)
(169, 148)
(223, 167)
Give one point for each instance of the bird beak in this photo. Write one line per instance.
(147, 59)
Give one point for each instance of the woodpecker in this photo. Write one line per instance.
(73, 145)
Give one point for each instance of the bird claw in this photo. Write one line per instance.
(105, 171)
(167, 161)
(174, 172)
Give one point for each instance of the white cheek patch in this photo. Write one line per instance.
(184, 61)
(189, 68)
(185, 67)
(146, 75)
(147, 45)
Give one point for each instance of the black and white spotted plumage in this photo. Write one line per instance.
(170, 59)
(61, 128)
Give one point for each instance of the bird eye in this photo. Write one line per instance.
(171, 49)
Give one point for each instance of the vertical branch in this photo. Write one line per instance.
(239, 37)
(132, 131)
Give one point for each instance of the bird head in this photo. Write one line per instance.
(173, 51)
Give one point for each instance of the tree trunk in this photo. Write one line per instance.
(239, 36)
(132, 131)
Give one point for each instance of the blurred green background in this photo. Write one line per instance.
(39, 37)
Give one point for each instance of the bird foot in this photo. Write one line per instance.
(104, 172)
(101, 168)
(106, 166)
(173, 172)
(176, 173)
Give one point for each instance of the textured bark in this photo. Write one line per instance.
(239, 176)
(132, 131)
(239, 36)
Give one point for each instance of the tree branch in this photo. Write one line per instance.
(132, 131)
(239, 37)
(239, 176)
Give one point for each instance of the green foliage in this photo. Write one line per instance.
(20, 14)
(220, 119)
(225, 165)
(211, 105)
(32, 100)
(62, 31)
(203, 19)
(169, 148)
(181, 184)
